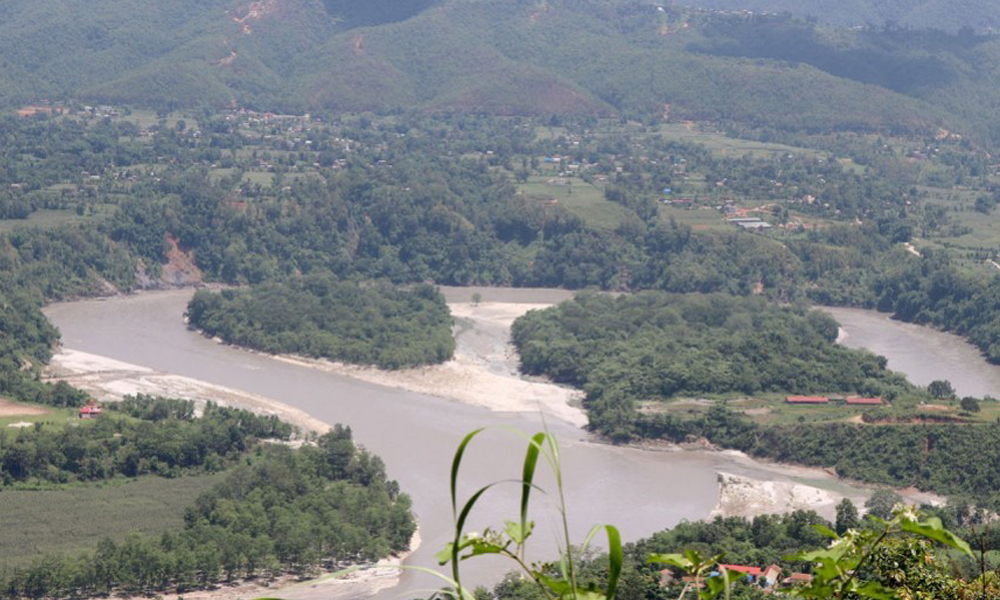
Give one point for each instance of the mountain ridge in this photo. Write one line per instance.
(583, 57)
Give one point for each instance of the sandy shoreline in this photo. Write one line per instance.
(484, 371)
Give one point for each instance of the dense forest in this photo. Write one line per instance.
(278, 510)
(654, 346)
(317, 316)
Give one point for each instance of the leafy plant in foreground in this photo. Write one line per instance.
(555, 580)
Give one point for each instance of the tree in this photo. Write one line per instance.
(941, 389)
(881, 503)
(970, 404)
(847, 516)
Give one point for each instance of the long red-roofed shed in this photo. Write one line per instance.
(755, 571)
(865, 401)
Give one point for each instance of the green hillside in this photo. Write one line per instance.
(592, 57)
(942, 14)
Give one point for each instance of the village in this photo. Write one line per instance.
(772, 578)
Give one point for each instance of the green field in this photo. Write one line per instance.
(76, 518)
(771, 409)
(44, 218)
(58, 417)
(580, 198)
(969, 234)
(723, 145)
(262, 179)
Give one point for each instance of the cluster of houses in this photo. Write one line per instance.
(850, 400)
(91, 410)
(771, 578)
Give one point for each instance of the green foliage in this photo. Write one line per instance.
(913, 14)
(941, 389)
(375, 324)
(559, 580)
(280, 510)
(881, 562)
(970, 404)
(847, 516)
(537, 59)
(936, 458)
(882, 502)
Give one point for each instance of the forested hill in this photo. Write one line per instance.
(499, 56)
(919, 14)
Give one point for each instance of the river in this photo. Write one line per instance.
(639, 491)
(921, 353)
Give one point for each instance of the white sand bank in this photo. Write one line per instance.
(484, 371)
(109, 380)
(745, 497)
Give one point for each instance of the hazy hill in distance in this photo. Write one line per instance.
(599, 57)
(951, 15)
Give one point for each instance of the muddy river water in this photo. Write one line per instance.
(640, 491)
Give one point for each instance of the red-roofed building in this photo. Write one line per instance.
(90, 410)
(865, 401)
(807, 400)
(751, 571)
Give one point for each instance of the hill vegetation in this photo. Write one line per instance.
(376, 324)
(499, 57)
(914, 14)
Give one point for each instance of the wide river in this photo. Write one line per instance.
(639, 491)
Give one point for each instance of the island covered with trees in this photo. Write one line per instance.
(318, 316)
(656, 346)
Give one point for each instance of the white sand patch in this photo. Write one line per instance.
(82, 363)
(745, 497)
(110, 380)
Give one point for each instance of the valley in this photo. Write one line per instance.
(268, 267)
